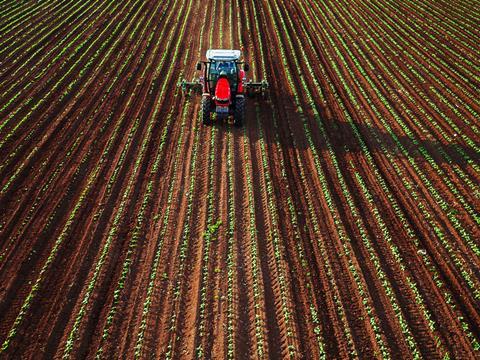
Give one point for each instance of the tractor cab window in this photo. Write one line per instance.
(217, 68)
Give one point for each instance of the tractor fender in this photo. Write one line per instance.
(242, 82)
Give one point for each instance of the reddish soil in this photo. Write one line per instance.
(348, 204)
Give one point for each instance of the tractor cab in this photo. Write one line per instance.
(222, 69)
(222, 64)
(227, 68)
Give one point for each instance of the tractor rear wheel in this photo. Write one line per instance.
(239, 111)
(206, 107)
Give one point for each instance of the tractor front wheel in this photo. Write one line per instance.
(206, 106)
(239, 111)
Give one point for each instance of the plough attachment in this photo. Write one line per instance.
(195, 85)
(254, 88)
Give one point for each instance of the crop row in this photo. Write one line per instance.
(60, 239)
(333, 62)
(355, 277)
(432, 189)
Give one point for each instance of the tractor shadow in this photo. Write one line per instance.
(279, 123)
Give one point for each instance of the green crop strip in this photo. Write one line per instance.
(342, 236)
(137, 232)
(105, 42)
(20, 15)
(22, 166)
(35, 288)
(423, 151)
(397, 209)
(44, 8)
(12, 92)
(125, 196)
(329, 270)
(463, 233)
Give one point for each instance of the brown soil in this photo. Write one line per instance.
(348, 202)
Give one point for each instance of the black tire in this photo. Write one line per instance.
(206, 107)
(239, 111)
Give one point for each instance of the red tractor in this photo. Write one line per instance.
(223, 86)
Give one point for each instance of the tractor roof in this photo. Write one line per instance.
(223, 55)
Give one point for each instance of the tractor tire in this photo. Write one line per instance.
(206, 109)
(239, 111)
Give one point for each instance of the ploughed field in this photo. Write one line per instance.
(341, 221)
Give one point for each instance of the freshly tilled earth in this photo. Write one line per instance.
(341, 221)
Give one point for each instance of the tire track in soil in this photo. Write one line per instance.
(185, 304)
(168, 171)
(222, 337)
(247, 341)
(218, 314)
(169, 273)
(195, 339)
